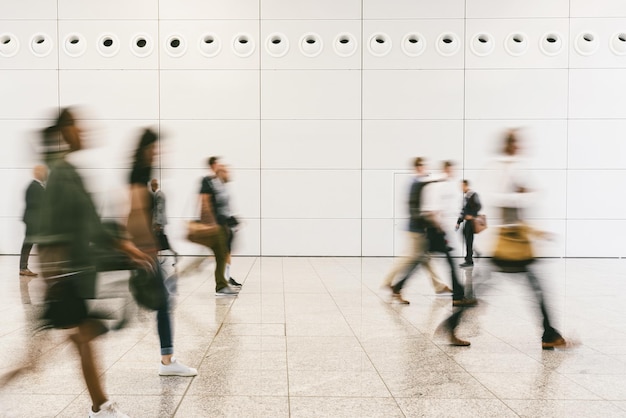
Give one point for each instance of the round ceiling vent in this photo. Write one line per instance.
(413, 44)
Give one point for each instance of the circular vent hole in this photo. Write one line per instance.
(141, 43)
(107, 42)
(588, 37)
(175, 43)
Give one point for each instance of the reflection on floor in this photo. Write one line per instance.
(318, 337)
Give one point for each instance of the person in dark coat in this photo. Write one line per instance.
(32, 216)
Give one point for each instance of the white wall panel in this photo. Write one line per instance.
(304, 144)
(24, 31)
(112, 94)
(389, 94)
(554, 243)
(112, 9)
(224, 32)
(499, 30)
(12, 237)
(516, 94)
(377, 238)
(245, 193)
(312, 237)
(28, 94)
(13, 183)
(304, 9)
(596, 94)
(182, 187)
(600, 8)
(595, 238)
(194, 94)
(378, 193)
(248, 238)
(397, 58)
(412, 9)
(596, 144)
(29, 10)
(295, 30)
(25, 139)
(310, 94)
(394, 144)
(311, 194)
(401, 189)
(543, 143)
(208, 9)
(93, 33)
(189, 143)
(507, 9)
(596, 194)
(604, 32)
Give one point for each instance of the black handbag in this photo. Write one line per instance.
(148, 288)
(437, 242)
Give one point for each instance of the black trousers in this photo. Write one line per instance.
(27, 246)
(468, 233)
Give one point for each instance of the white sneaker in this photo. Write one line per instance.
(107, 410)
(227, 291)
(175, 368)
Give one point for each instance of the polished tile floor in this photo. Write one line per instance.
(317, 337)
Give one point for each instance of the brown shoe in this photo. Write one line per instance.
(465, 302)
(556, 343)
(27, 272)
(397, 298)
(458, 342)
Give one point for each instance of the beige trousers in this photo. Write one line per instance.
(417, 249)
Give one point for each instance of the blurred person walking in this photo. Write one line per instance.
(511, 196)
(69, 224)
(32, 216)
(219, 239)
(140, 229)
(402, 264)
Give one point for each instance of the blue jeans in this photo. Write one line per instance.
(164, 327)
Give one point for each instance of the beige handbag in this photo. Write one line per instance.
(480, 223)
(513, 251)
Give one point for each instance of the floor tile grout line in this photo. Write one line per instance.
(355, 335)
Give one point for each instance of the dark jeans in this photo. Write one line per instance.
(468, 233)
(458, 292)
(25, 254)
(164, 327)
(549, 333)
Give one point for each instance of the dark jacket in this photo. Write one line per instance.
(34, 199)
(69, 217)
(471, 206)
